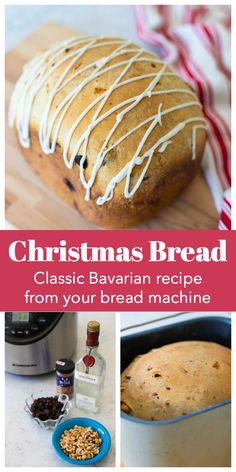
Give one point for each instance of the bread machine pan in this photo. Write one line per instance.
(199, 439)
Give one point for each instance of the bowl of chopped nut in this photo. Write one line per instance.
(81, 441)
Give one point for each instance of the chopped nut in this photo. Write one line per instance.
(125, 407)
(80, 443)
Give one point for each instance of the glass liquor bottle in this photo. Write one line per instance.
(90, 372)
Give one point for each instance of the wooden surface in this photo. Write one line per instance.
(30, 205)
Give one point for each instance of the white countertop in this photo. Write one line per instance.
(29, 445)
(115, 20)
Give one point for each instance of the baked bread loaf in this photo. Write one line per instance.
(176, 379)
(109, 127)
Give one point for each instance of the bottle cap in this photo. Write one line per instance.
(93, 326)
(93, 330)
(65, 366)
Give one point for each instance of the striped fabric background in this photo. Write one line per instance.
(196, 41)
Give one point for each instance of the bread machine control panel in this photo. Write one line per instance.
(26, 327)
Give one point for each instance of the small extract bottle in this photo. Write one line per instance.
(65, 369)
(90, 372)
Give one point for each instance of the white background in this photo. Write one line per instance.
(98, 19)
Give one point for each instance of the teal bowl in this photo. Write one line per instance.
(84, 422)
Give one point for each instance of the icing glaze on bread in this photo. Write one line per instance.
(118, 116)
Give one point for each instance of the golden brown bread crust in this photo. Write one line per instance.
(169, 172)
(155, 193)
(176, 379)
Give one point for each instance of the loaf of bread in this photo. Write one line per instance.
(176, 379)
(109, 127)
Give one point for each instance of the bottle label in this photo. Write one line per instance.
(64, 381)
(88, 361)
(84, 400)
(89, 378)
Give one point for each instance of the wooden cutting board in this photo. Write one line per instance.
(30, 205)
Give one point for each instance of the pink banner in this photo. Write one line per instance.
(117, 270)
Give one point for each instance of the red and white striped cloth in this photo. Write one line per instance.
(195, 40)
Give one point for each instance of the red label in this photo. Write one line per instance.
(92, 338)
(88, 361)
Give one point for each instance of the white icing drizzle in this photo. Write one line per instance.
(37, 72)
(163, 147)
(194, 137)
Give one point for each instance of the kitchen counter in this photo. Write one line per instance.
(29, 445)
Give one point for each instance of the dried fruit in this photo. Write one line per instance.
(46, 408)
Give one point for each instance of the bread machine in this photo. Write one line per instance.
(35, 340)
